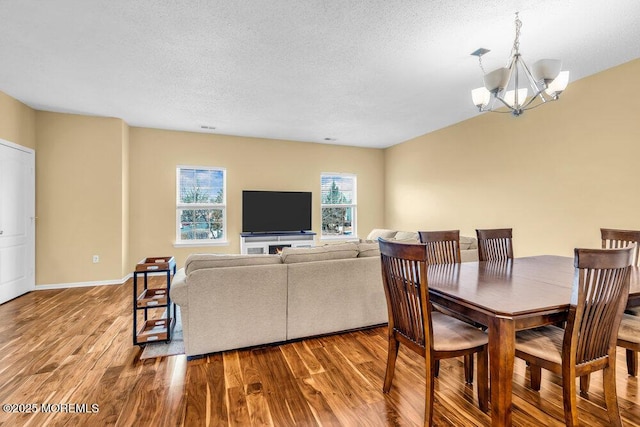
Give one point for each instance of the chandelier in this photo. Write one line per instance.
(510, 85)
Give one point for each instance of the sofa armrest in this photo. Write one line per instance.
(232, 307)
(178, 292)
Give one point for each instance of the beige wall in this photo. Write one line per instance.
(105, 189)
(79, 198)
(556, 174)
(17, 122)
(251, 163)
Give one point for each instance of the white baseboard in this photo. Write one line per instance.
(83, 284)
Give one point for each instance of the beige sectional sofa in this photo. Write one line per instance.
(235, 301)
(468, 245)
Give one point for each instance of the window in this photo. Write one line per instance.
(201, 205)
(338, 192)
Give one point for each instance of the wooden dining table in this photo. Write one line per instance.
(507, 296)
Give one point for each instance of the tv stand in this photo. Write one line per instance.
(265, 243)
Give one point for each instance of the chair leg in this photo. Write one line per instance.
(610, 395)
(430, 366)
(392, 355)
(483, 380)
(584, 385)
(535, 372)
(468, 368)
(632, 362)
(436, 368)
(569, 400)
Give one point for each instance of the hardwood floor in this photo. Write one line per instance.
(74, 347)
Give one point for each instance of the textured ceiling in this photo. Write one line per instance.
(363, 73)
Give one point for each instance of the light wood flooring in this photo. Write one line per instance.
(74, 346)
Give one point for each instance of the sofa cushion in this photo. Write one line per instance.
(320, 253)
(368, 249)
(469, 255)
(198, 261)
(381, 232)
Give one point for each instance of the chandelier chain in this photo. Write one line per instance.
(515, 50)
(481, 66)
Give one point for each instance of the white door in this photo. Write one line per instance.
(17, 220)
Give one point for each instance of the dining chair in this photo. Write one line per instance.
(629, 337)
(613, 238)
(443, 247)
(588, 342)
(412, 323)
(495, 244)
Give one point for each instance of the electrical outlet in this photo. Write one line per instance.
(96, 259)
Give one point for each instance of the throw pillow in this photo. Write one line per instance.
(407, 236)
(381, 232)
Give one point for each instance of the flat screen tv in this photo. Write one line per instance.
(276, 211)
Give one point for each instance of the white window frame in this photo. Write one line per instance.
(353, 205)
(222, 206)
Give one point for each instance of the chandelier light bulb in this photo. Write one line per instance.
(546, 70)
(558, 84)
(496, 80)
(510, 97)
(481, 96)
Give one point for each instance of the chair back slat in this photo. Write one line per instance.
(613, 238)
(495, 244)
(404, 278)
(600, 291)
(443, 247)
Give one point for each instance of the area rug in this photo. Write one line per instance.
(172, 348)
